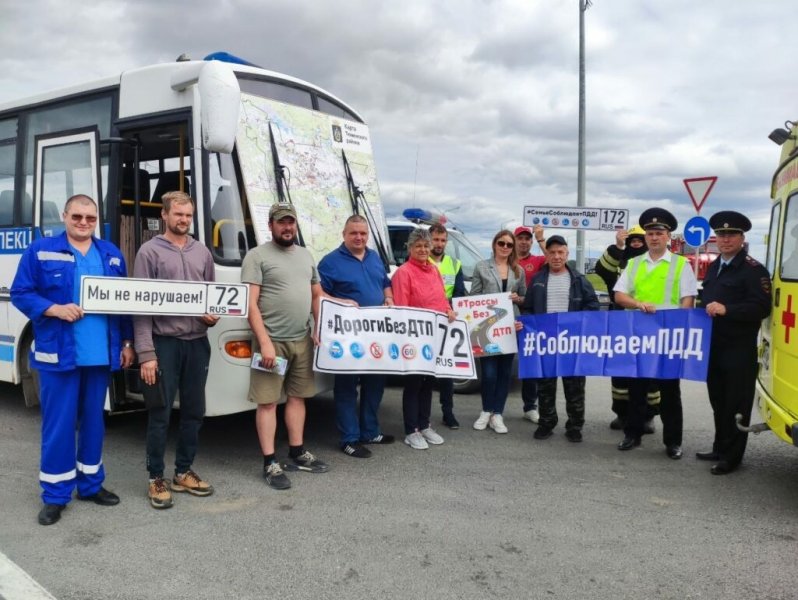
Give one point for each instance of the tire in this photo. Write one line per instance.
(29, 377)
(468, 386)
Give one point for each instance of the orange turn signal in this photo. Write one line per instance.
(239, 349)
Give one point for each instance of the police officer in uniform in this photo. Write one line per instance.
(655, 281)
(736, 294)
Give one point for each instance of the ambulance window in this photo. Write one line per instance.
(770, 264)
(789, 244)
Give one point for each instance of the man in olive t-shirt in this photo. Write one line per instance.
(284, 290)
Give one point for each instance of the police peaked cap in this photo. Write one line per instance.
(729, 221)
(658, 218)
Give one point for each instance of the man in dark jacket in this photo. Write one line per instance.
(736, 294)
(558, 288)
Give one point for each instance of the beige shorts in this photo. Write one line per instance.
(298, 381)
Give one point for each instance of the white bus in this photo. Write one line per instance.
(235, 136)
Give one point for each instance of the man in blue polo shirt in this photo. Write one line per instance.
(355, 272)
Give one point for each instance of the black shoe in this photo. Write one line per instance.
(50, 513)
(674, 451)
(628, 443)
(573, 435)
(542, 433)
(356, 449)
(450, 421)
(306, 462)
(103, 497)
(383, 438)
(275, 477)
(648, 426)
(617, 424)
(711, 455)
(722, 468)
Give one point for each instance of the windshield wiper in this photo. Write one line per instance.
(283, 188)
(358, 200)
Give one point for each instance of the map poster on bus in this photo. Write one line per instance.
(491, 323)
(131, 296)
(399, 341)
(570, 217)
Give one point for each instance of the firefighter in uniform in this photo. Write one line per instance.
(654, 281)
(736, 294)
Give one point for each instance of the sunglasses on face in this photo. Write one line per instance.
(88, 218)
(502, 244)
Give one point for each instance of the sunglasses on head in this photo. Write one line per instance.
(78, 218)
(503, 244)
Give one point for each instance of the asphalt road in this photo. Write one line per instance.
(482, 516)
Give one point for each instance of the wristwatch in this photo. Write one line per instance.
(127, 345)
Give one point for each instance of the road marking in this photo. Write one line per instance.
(16, 584)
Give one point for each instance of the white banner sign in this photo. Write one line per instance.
(569, 217)
(130, 296)
(392, 341)
(491, 323)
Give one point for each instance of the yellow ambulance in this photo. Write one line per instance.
(777, 384)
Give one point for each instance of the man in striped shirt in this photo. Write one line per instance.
(559, 288)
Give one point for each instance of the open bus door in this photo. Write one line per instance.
(66, 163)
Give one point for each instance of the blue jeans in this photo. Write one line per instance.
(529, 394)
(355, 427)
(184, 367)
(496, 371)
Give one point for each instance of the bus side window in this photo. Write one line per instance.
(170, 182)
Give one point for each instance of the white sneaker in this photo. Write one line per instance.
(431, 436)
(532, 415)
(482, 422)
(497, 424)
(416, 441)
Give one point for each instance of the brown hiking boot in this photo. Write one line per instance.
(159, 494)
(192, 483)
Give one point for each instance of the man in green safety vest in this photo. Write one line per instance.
(454, 286)
(654, 281)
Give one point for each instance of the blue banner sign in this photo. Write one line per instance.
(669, 344)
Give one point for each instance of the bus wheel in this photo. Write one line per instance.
(29, 377)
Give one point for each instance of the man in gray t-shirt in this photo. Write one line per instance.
(284, 290)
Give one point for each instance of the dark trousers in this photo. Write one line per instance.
(354, 424)
(670, 409)
(620, 398)
(496, 373)
(731, 388)
(184, 368)
(574, 390)
(529, 394)
(446, 391)
(417, 402)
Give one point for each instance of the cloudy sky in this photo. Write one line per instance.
(473, 104)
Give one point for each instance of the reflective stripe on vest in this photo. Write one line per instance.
(660, 285)
(448, 268)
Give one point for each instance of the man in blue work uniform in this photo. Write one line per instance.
(74, 353)
(355, 272)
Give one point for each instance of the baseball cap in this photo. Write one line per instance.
(280, 210)
(519, 230)
(556, 239)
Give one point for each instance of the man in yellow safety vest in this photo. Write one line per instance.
(654, 281)
(454, 286)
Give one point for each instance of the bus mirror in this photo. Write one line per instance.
(220, 102)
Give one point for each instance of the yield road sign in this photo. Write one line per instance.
(696, 231)
(699, 188)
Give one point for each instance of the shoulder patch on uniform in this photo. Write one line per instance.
(751, 260)
(765, 283)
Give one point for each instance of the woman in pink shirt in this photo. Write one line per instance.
(417, 283)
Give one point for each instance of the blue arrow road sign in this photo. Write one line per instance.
(696, 231)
